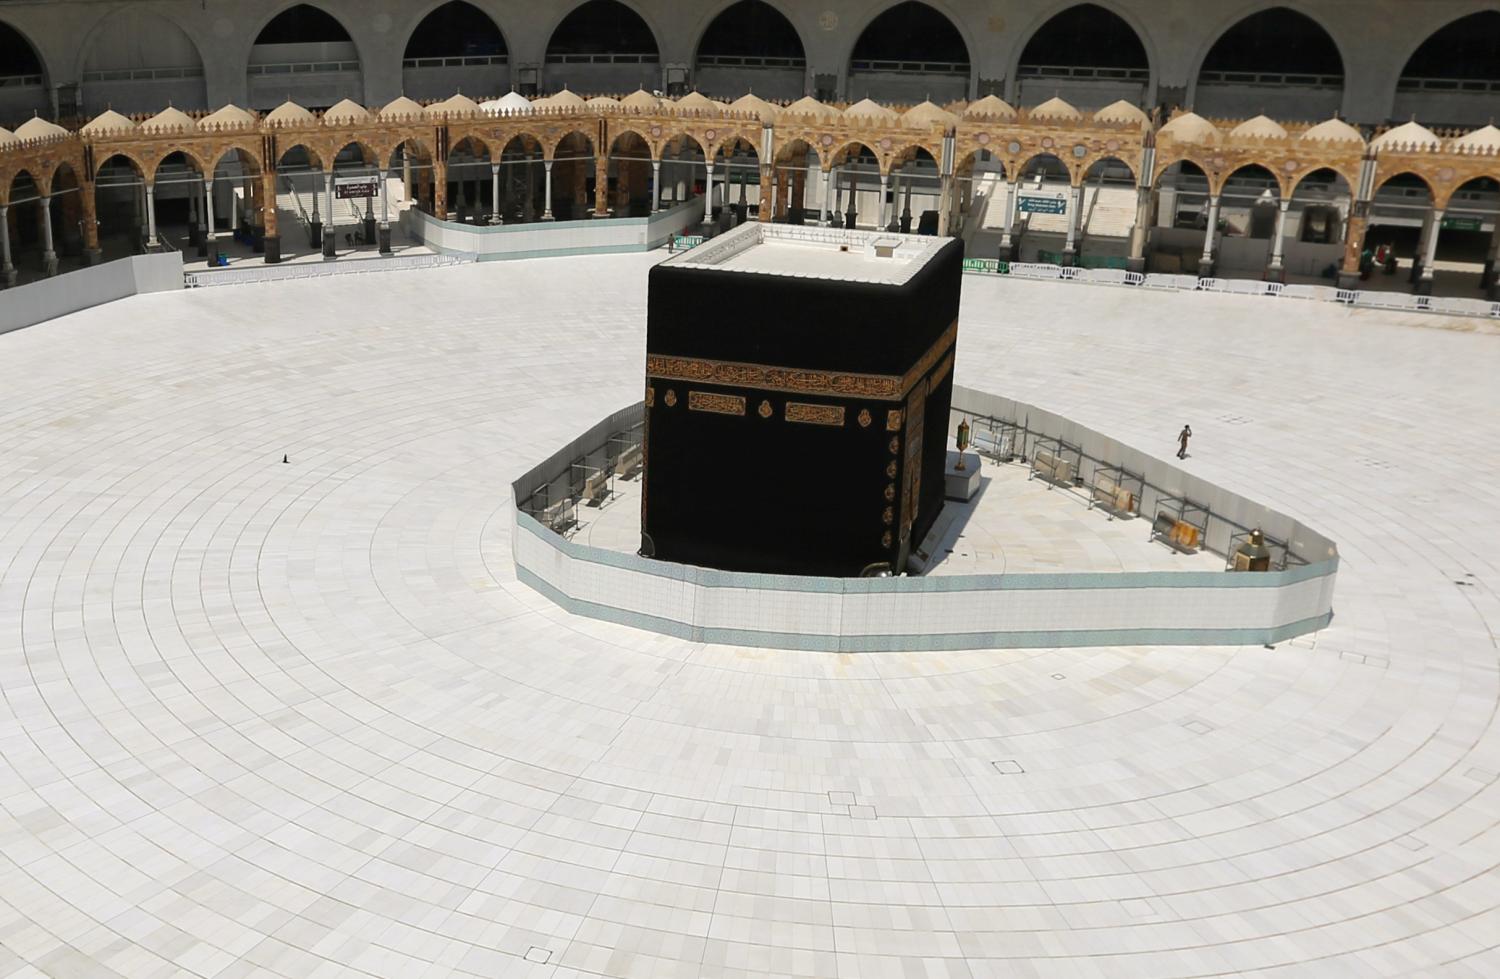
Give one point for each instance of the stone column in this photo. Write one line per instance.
(315, 231)
(766, 204)
(384, 235)
(1429, 254)
(1070, 241)
(90, 221)
(151, 215)
(270, 239)
(708, 188)
(330, 242)
(947, 205)
(208, 214)
(1354, 240)
(744, 206)
(838, 198)
(827, 193)
(49, 254)
(1140, 229)
(7, 270)
(547, 192)
(655, 186)
(1206, 262)
(234, 209)
(1274, 270)
(880, 214)
(601, 186)
(494, 193)
(195, 224)
(906, 205)
(1009, 220)
(440, 189)
(406, 173)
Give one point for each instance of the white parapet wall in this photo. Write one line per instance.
(72, 291)
(950, 612)
(550, 239)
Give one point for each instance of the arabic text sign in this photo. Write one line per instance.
(349, 188)
(1044, 203)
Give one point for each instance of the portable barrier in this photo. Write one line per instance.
(1442, 305)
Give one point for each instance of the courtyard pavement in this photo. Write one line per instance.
(301, 720)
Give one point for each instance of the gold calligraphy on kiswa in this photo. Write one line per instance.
(722, 404)
(815, 414)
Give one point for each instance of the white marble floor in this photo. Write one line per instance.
(300, 720)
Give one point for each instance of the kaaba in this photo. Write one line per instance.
(798, 382)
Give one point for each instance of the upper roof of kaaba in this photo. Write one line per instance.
(806, 297)
(804, 252)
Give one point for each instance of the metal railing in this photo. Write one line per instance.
(315, 270)
(1281, 79)
(143, 74)
(456, 61)
(1085, 72)
(303, 68)
(748, 61)
(1477, 85)
(913, 67)
(612, 58)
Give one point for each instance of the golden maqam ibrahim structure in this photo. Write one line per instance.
(593, 151)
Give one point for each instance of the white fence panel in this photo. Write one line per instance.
(1035, 270)
(1323, 293)
(282, 273)
(1164, 280)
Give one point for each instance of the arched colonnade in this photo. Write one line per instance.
(858, 148)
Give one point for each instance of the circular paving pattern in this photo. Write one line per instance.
(300, 719)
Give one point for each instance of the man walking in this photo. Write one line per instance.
(1182, 441)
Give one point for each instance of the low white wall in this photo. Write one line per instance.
(68, 293)
(957, 612)
(546, 239)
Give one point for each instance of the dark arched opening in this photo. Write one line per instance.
(603, 46)
(23, 88)
(1086, 54)
(456, 48)
(1277, 61)
(306, 55)
(751, 46)
(908, 53)
(1454, 77)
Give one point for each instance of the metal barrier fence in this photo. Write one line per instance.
(281, 273)
(1442, 305)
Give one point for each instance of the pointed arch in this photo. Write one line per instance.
(455, 47)
(136, 60)
(909, 51)
(750, 45)
(1091, 53)
(1278, 60)
(304, 53)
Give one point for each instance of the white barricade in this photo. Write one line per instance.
(1109, 277)
(1458, 306)
(1164, 280)
(1323, 293)
(1035, 270)
(281, 273)
(1390, 300)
